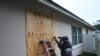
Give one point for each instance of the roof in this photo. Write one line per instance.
(57, 7)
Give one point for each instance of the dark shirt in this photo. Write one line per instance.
(64, 46)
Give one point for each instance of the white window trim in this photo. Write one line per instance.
(76, 46)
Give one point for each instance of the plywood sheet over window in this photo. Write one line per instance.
(39, 26)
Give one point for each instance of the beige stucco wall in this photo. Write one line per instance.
(78, 50)
(63, 29)
(83, 31)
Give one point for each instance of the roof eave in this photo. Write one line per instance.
(60, 9)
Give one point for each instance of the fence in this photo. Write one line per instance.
(89, 43)
(97, 35)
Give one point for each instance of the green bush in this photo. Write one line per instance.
(88, 54)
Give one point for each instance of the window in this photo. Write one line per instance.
(76, 35)
(86, 31)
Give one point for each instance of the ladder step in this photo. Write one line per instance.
(44, 41)
(50, 49)
(46, 45)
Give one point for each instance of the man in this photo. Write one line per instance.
(64, 45)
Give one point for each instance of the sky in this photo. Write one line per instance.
(88, 10)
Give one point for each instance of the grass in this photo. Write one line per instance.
(88, 54)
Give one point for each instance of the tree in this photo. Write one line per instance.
(98, 21)
(97, 25)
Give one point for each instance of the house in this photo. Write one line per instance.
(25, 22)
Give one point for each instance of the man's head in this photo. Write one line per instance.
(65, 39)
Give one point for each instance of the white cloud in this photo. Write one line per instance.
(88, 10)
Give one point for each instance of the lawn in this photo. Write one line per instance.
(88, 54)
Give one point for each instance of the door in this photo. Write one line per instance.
(39, 26)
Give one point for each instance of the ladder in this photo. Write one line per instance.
(47, 48)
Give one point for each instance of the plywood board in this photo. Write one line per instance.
(39, 27)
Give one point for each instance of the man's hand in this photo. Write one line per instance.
(60, 38)
(55, 39)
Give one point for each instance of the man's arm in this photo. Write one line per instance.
(60, 39)
(56, 40)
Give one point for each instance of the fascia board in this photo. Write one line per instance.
(64, 12)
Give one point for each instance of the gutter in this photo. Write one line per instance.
(55, 6)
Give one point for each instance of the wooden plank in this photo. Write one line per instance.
(29, 33)
(39, 26)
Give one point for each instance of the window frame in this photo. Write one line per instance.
(77, 35)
